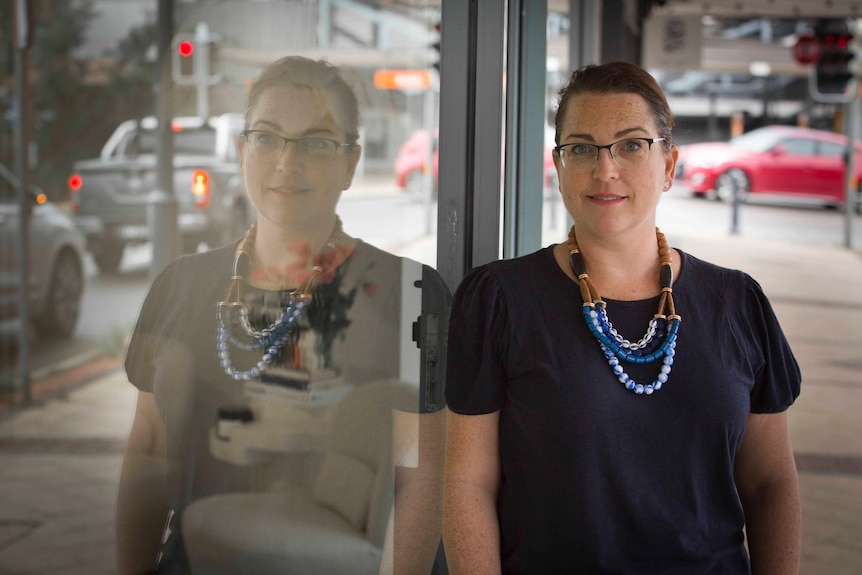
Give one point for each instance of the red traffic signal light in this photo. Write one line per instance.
(833, 79)
(186, 48)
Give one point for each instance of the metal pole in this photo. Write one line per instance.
(734, 210)
(429, 176)
(851, 184)
(22, 44)
(202, 68)
(162, 207)
(852, 135)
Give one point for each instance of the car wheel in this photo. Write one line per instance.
(63, 304)
(729, 181)
(108, 256)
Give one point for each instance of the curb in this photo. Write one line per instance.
(58, 379)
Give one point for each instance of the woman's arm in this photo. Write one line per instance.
(471, 532)
(413, 533)
(141, 506)
(765, 475)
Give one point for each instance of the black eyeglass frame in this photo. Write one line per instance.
(284, 141)
(649, 141)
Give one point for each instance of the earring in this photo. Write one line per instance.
(666, 185)
(346, 184)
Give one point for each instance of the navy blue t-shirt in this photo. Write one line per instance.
(594, 478)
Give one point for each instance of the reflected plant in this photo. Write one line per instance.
(328, 314)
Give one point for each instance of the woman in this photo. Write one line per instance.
(267, 379)
(573, 450)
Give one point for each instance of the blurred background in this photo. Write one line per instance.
(763, 92)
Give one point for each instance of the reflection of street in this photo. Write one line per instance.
(385, 217)
(680, 214)
(386, 221)
(379, 214)
(108, 310)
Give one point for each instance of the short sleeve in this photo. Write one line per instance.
(158, 312)
(475, 361)
(778, 380)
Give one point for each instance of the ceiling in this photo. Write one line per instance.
(771, 8)
(749, 8)
(725, 8)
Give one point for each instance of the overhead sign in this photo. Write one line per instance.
(402, 79)
(672, 42)
(806, 50)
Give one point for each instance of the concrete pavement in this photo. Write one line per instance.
(60, 459)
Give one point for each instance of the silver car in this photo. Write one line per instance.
(56, 281)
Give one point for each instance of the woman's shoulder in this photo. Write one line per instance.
(513, 272)
(192, 274)
(519, 271)
(370, 253)
(535, 262)
(209, 262)
(700, 274)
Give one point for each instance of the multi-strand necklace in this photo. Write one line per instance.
(233, 314)
(659, 341)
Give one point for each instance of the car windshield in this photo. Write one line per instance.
(756, 140)
(187, 142)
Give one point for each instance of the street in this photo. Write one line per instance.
(391, 221)
(111, 303)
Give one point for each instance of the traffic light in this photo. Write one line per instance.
(186, 48)
(193, 55)
(435, 45)
(184, 58)
(834, 71)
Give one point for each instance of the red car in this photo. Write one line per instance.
(411, 161)
(775, 160)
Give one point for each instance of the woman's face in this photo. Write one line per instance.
(608, 198)
(291, 188)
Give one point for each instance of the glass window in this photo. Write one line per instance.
(831, 149)
(798, 146)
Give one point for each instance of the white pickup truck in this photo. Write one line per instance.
(109, 194)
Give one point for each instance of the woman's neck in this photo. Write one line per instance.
(622, 268)
(284, 257)
(275, 244)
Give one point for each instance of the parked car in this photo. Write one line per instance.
(411, 164)
(783, 161)
(56, 260)
(110, 194)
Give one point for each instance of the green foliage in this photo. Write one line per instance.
(75, 104)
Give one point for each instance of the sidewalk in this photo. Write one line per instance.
(60, 460)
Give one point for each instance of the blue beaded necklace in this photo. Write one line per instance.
(233, 314)
(659, 341)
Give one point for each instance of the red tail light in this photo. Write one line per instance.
(74, 184)
(201, 189)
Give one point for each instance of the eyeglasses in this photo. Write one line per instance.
(628, 153)
(266, 145)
